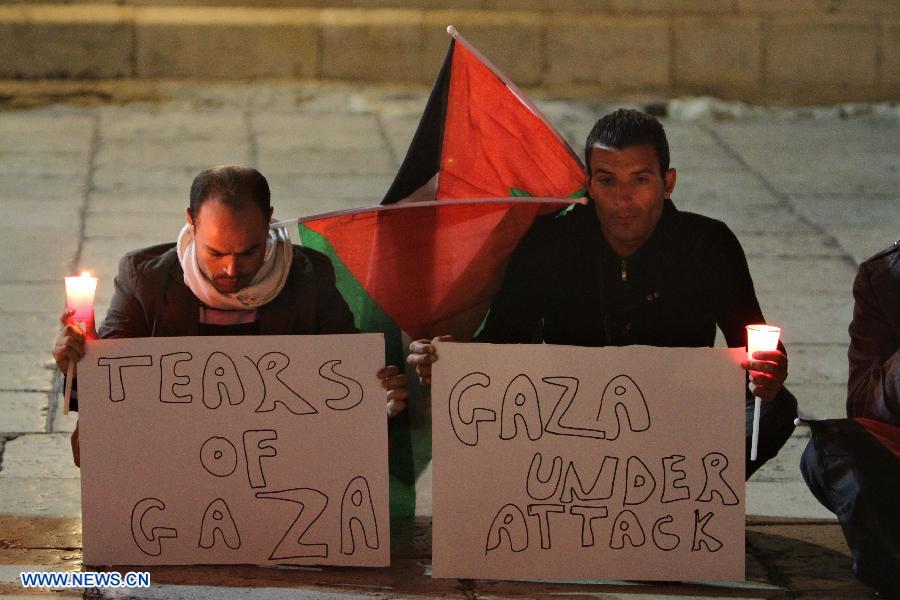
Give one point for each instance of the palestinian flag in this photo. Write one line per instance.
(433, 267)
(428, 260)
(852, 466)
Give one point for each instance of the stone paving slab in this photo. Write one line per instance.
(819, 401)
(27, 332)
(39, 186)
(152, 153)
(862, 241)
(848, 209)
(23, 412)
(818, 364)
(163, 225)
(146, 201)
(38, 297)
(789, 498)
(162, 123)
(54, 218)
(336, 163)
(797, 244)
(46, 456)
(334, 131)
(32, 371)
(173, 181)
(41, 496)
(40, 162)
(41, 261)
(820, 317)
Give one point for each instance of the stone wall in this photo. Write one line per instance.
(770, 51)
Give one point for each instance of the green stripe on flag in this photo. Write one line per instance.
(405, 463)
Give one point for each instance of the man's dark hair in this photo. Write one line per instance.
(626, 127)
(233, 185)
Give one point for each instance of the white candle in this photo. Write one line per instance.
(80, 297)
(80, 292)
(759, 338)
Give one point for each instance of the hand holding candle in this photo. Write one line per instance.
(80, 303)
(762, 338)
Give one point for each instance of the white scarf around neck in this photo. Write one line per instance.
(263, 288)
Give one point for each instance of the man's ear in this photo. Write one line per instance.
(190, 220)
(271, 211)
(670, 182)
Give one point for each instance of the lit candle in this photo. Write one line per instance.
(80, 297)
(759, 338)
(80, 292)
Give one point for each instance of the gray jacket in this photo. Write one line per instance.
(873, 388)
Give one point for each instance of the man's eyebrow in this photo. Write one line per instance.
(252, 248)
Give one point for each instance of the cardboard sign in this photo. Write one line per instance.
(557, 462)
(257, 449)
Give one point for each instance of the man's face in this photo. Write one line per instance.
(628, 189)
(230, 243)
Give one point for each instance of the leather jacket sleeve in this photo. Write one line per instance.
(873, 387)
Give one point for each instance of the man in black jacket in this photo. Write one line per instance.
(630, 268)
(228, 274)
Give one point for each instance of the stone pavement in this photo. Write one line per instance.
(809, 193)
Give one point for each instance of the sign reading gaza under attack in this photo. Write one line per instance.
(555, 462)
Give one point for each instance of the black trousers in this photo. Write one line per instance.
(857, 479)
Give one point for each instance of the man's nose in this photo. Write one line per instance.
(229, 265)
(624, 193)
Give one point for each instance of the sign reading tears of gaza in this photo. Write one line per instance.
(558, 462)
(262, 449)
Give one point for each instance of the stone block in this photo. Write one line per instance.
(388, 45)
(23, 412)
(814, 53)
(226, 43)
(890, 56)
(624, 53)
(83, 42)
(513, 41)
(717, 55)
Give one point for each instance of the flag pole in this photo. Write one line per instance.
(349, 212)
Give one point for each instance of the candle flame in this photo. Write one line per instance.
(85, 274)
